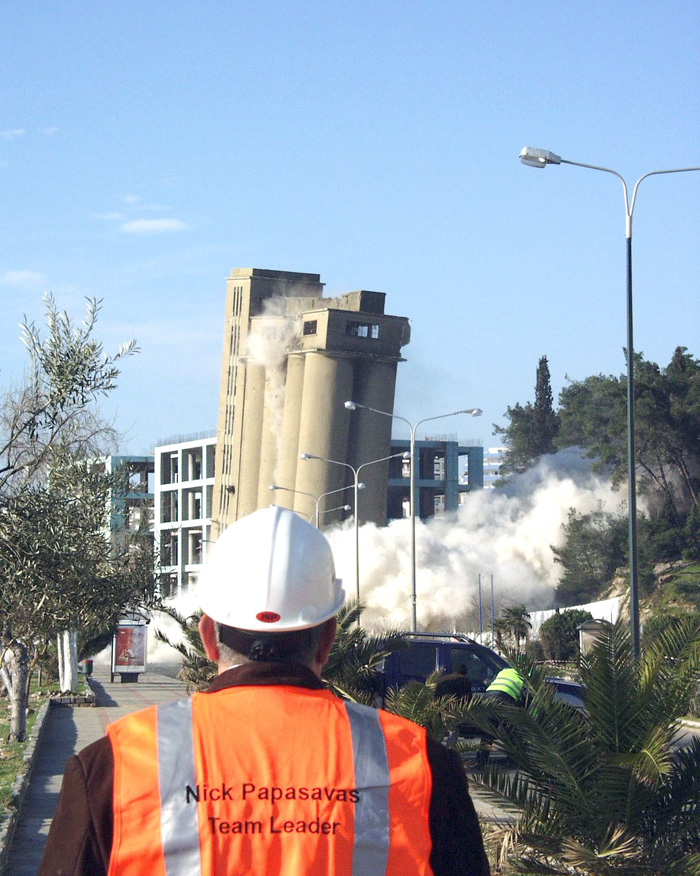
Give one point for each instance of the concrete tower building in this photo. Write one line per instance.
(292, 358)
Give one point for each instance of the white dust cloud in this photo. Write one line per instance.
(505, 533)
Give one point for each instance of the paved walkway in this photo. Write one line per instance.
(68, 729)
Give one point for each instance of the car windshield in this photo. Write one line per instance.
(480, 665)
(418, 661)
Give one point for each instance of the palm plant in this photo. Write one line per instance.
(356, 657)
(602, 791)
(196, 669)
(516, 620)
(440, 716)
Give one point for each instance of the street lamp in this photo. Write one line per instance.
(317, 500)
(358, 486)
(475, 412)
(541, 158)
(339, 508)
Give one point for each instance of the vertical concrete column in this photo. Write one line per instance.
(371, 435)
(451, 476)
(323, 427)
(252, 420)
(286, 472)
(271, 432)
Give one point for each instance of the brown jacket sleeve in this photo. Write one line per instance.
(80, 838)
(458, 848)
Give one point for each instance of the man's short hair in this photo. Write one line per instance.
(243, 646)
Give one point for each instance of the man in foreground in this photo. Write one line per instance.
(266, 772)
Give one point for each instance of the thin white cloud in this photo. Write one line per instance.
(22, 279)
(131, 199)
(49, 132)
(153, 226)
(108, 217)
(12, 133)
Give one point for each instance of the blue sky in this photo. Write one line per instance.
(148, 149)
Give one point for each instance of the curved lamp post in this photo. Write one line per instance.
(475, 412)
(541, 158)
(358, 486)
(339, 508)
(317, 500)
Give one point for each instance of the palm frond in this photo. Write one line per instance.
(196, 670)
(356, 657)
(602, 791)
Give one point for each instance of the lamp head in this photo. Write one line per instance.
(350, 405)
(538, 157)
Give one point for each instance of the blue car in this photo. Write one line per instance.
(447, 653)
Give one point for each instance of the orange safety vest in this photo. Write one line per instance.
(276, 780)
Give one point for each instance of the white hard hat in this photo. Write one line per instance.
(271, 571)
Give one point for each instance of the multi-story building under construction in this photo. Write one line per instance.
(292, 358)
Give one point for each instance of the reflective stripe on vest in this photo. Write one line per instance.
(508, 681)
(371, 847)
(178, 823)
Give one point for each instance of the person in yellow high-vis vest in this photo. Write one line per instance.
(266, 772)
(506, 687)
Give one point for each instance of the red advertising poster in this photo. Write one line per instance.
(130, 649)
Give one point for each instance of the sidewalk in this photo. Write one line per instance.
(68, 729)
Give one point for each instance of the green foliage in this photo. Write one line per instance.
(532, 428)
(661, 535)
(691, 533)
(592, 415)
(57, 570)
(603, 791)
(595, 547)
(416, 702)
(357, 657)
(559, 634)
(657, 625)
(68, 371)
(667, 426)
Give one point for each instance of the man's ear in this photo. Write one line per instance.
(207, 631)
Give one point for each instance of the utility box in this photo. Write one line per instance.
(588, 634)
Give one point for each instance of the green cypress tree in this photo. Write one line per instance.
(545, 423)
(532, 428)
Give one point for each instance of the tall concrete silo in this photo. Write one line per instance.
(291, 360)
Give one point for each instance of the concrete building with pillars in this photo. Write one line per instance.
(292, 358)
(184, 486)
(446, 472)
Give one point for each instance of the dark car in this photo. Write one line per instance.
(447, 653)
